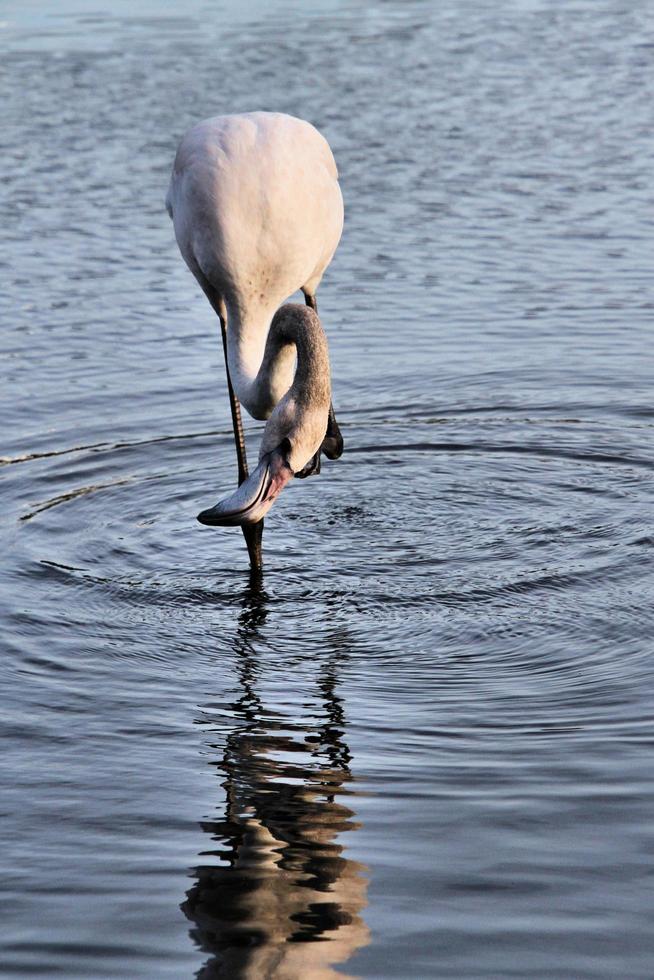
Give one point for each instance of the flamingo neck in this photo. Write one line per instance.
(297, 423)
(300, 417)
(260, 360)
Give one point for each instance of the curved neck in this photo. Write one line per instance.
(262, 361)
(260, 375)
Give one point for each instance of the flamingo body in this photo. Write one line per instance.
(258, 214)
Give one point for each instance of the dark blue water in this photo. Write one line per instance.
(421, 746)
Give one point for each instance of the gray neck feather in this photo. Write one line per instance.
(295, 329)
(297, 325)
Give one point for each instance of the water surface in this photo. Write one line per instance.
(421, 746)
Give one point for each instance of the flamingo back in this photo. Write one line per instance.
(256, 206)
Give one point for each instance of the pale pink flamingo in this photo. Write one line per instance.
(258, 214)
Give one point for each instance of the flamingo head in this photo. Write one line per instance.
(256, 495)
(292, 437)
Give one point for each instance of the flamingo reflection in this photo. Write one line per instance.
(280, 899)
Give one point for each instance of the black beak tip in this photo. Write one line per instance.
(332, 446)
(207, 518)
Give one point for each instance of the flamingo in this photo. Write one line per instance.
(258, 214)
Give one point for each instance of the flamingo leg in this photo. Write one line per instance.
(237, 421)
(311, 301)
(252, 533)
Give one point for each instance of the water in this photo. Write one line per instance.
(422, 746)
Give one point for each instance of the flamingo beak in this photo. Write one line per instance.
(255, 496)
